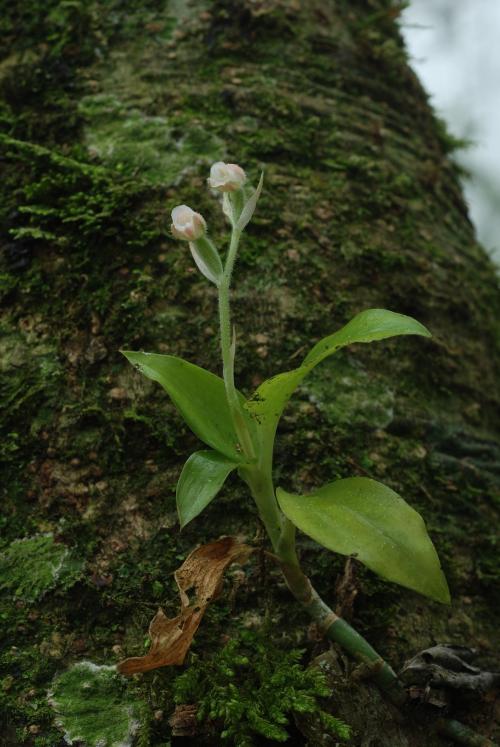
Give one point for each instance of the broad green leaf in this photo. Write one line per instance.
(198, 395)
(270, 399)
(367, 326)
(361, 517)
(202, 477)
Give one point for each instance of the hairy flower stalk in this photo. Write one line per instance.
(228, 345)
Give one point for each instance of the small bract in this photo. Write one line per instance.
(226, 177)
(186, 224)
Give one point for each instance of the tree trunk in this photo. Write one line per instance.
(111, 115)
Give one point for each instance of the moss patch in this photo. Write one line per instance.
(135, 144)
(92, 706)
(252, 687)
(346, 394)
(31, 567)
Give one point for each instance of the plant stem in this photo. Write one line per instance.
(228, 351)
(282, 534)
(339, 631)
(461, 734)
(262, 489)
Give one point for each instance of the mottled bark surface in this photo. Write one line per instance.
(110, 115)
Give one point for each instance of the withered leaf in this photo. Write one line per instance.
(203, 571)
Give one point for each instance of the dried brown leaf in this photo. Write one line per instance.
(203, 571)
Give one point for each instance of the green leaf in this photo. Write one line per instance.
(198, 394)
(361, 517)
(367, 326)
(270, 399)
(250, 205)
(202, 477)
(207, 259)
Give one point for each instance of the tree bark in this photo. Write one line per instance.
(111, 116)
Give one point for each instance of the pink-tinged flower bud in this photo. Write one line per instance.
(186, 224)
(226, 177)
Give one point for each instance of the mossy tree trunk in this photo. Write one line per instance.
(110, 116)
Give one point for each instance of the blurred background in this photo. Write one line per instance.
(454, 47)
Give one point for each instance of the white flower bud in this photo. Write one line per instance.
(186, 224)
(226, 177)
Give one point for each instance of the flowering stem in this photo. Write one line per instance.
(228, 351)
(281, 531)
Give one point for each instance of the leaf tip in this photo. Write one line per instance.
(443, 594)
(128, 354)
(437, 589)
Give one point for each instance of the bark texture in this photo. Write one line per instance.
(111, 114)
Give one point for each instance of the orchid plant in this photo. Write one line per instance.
(356, 516)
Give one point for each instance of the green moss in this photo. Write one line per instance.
(31, 567)
(252, 687)
(25, 673)
(93, 707)
(347, 395)
(133, 143)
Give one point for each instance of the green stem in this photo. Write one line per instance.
(261, 486)
(282, 534)
(377, 668)
(461, 734)
(228, 351)
(339, 631)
